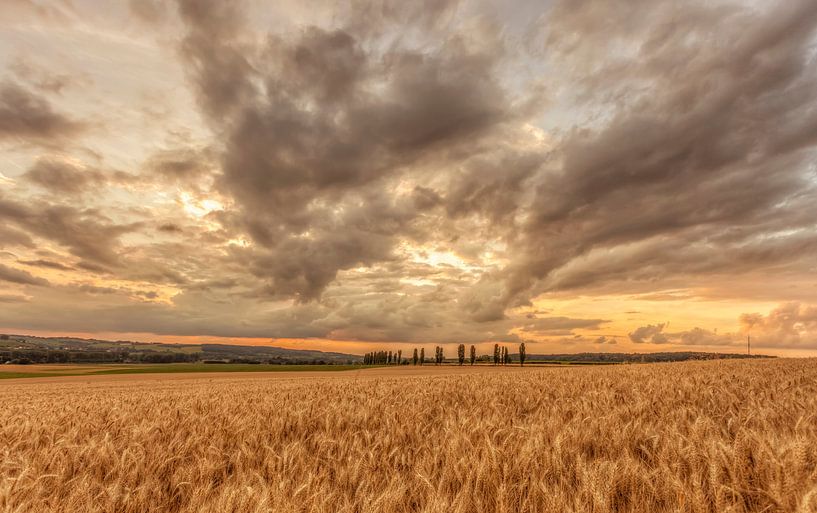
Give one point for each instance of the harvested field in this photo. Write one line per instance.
(720, 436)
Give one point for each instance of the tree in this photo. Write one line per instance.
(473, 354)
(496, 354)
(522, 354)
(422, 355)
(399, 356)
(461, 353)
(414, 358)
(388, 358)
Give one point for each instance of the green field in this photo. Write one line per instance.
(40, 371)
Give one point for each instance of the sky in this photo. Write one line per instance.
(578, 175)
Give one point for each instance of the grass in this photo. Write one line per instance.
(223, 367)
(90, 369)
(697, 437)
(15, 375)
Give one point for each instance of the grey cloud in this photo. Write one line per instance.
(49, 264)
(650, 333)
(656, 334)
(181, 165)
(714, 153)
(11, 237)
(30, 117)
(59, 176)
(88, 234)
(19, 276)
(170, 228)
(606, 339)
(11, 298)
(317, 122)
(94, 289)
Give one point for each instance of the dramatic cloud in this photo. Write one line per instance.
(320, 126)
(568, 173)
(711, 148)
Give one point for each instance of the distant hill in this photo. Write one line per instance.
(633, 357)
(28, 348)
(67, 349)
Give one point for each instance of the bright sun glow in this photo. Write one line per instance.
(199, 207)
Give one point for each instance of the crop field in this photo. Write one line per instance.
(56, 370)
(718, 436)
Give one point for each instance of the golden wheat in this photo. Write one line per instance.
(724, 436)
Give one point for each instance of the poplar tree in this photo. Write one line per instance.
(461, 353)
(414, 358)
(522, 354)
(422, 355)
(399, 356)
(473, 355)
(496, 354)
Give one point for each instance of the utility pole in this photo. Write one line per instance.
(748, 345)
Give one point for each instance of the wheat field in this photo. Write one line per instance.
(721, 436)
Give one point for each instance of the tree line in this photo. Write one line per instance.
(24, 356)
(501, 356)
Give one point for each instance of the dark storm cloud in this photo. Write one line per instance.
(708, 141)
(318, 125)
(30, 117)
